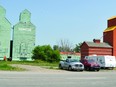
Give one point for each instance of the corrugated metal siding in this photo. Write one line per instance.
(23, 38)
(5, 30)
(86, 51)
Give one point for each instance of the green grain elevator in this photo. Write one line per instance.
(5, 32)
(23, 37)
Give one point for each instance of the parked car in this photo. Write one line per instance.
(108, 62)
(71, 64)
(90, 64)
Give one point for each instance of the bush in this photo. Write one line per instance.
(46, 53)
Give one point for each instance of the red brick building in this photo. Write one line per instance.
(95, 48)
(107, 47)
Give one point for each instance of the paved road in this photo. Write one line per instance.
(58, 79)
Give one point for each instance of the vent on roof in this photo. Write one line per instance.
(96, 40)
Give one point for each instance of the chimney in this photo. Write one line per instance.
(96, 40)
(112, 21)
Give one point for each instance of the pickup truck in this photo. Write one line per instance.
(71, 64)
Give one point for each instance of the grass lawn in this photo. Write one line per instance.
(5, 65)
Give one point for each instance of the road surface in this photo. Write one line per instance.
(58, 79)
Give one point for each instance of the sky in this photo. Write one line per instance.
(55, 20)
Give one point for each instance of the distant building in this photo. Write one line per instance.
(73, 55)
(23, 42)
(107, 47)
(5, 30)
(95, 48)
(23, 37)
(109, 34)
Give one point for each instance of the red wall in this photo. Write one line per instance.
(87, 51)
(114, 42)
(84, 50)
(100, 51)
(111, 22)
(108, 37)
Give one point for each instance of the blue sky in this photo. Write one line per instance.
(72, 20)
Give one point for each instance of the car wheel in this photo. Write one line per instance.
(81, 70)
(69, 68)
(85, 68)
(97, 69)
(60, 66)
(88, 69)
(111, 68)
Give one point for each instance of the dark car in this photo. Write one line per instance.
(90, 64)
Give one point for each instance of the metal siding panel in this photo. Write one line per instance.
(5, 28)
(23, 40)
(114, 42)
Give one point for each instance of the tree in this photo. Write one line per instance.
(55, 47)
(46, 53)
(64, 46)
(77, 48)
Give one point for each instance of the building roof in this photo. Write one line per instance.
(103, 44)
(110, 29)
(70, 53)
(25, 16)
(112, 17)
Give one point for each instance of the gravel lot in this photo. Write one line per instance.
(30, 68)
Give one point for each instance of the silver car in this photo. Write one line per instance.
(71, 64)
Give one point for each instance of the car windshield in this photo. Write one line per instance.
(91, 61)
(74, 60)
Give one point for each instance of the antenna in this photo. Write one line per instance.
(103, 36)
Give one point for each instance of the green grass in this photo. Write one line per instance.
(6, 67)
(37, 63)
